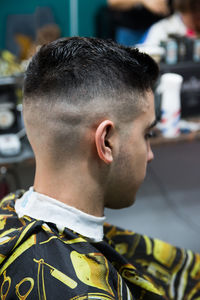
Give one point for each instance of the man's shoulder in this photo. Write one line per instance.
(7, 204)
(142, 250)
(8, 216)
(54, 263)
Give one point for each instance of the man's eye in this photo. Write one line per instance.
(148, 135)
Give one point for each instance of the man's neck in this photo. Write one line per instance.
(72, 188)
(41, 207)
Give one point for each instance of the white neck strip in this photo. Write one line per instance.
(42, 207)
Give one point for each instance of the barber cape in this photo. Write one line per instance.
(39, 261)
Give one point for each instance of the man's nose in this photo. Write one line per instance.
(150, 156)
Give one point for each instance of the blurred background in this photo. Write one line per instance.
(168, 205)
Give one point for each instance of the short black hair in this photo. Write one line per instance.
(72, 83)
(87, 67)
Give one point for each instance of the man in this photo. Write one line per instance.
(88, 111)
(184, 22)
(133, 18)
(155, 6)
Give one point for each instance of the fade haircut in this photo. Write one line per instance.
(73, 81)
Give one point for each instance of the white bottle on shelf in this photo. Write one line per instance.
(170, 89)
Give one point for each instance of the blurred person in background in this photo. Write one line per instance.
(134, 17)
(45, 34)
(184, 22)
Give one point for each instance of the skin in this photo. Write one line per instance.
(110, 171)
(192, 21)
(134, 154)
(155, 6)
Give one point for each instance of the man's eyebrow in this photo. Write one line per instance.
(152, 124)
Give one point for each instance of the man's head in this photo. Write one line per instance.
(190, 11)
(88, 102)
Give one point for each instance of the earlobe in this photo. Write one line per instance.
(102, 140)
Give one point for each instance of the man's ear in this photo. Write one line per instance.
(103, 136)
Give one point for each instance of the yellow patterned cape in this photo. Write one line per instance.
(40, 261)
